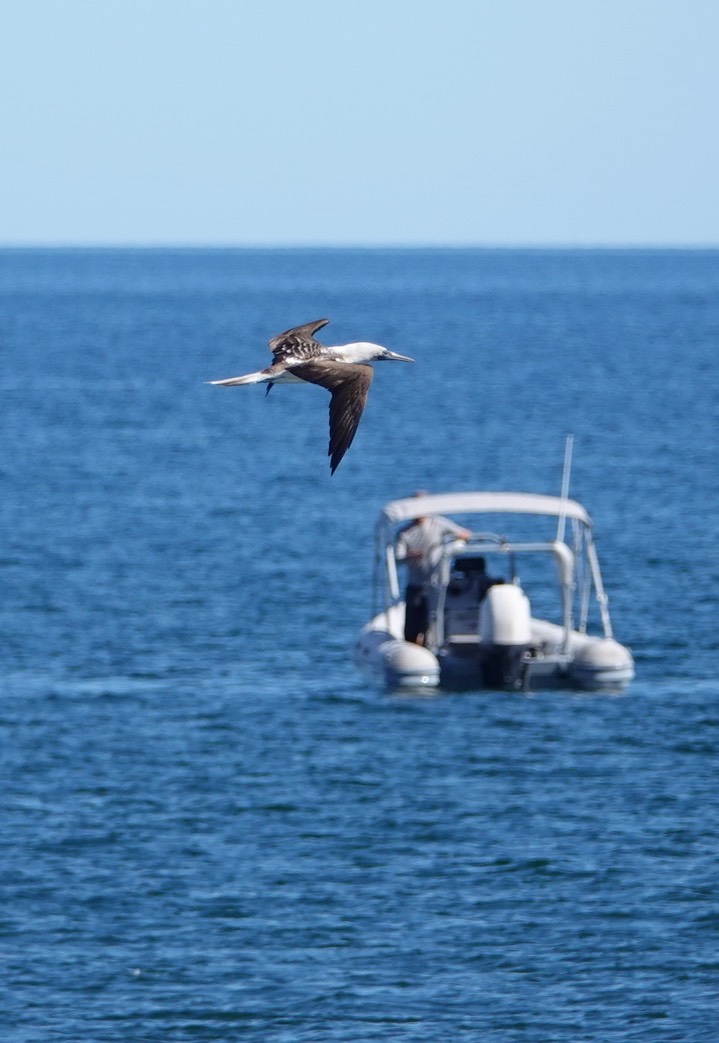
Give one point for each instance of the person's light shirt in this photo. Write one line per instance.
(419, 546)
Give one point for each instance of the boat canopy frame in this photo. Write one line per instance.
(578, 564)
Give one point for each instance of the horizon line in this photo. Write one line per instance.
(307, 246)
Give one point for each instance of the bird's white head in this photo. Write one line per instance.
(364, 351)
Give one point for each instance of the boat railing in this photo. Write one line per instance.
(491, 544)
(578, 569)
(602, 599)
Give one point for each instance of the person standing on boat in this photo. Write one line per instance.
(417, 547)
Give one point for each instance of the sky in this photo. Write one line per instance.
(359, 122)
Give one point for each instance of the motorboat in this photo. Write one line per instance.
(517, 603)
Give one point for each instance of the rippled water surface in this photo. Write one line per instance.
(212, 828)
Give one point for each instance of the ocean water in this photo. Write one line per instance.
(212, 828)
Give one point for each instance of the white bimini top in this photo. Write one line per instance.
(481, 503)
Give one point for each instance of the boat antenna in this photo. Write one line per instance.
(566, 475)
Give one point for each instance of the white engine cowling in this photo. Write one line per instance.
(504, 616)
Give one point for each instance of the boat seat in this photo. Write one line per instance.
(461, 605)
(467, 588)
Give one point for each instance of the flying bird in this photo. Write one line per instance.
(341, 369)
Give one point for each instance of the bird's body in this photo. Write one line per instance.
(342, 369)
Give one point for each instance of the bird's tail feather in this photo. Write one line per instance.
(249, 378)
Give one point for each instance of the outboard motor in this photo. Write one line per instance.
(505, 634)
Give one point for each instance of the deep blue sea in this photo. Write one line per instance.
(212, 828)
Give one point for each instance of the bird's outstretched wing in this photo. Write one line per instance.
(297, 343)
(348, 384)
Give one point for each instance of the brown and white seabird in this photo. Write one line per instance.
(342, 369)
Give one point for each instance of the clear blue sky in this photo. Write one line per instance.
(509, 122)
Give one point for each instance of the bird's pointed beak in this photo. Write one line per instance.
(396, 357)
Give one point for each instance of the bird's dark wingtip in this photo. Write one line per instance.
(335, 459)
